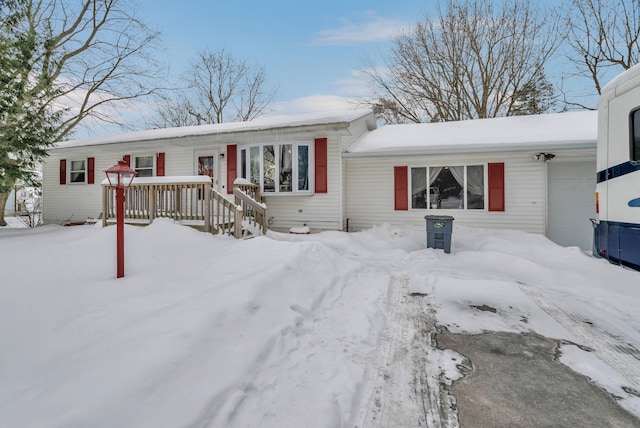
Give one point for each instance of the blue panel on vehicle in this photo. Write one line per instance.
(634, 203)
(618, 242)
(617, 171)
(630, 247)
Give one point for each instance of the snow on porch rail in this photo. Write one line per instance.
(188, 199)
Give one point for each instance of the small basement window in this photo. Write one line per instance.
(635, 135)
(78, 171)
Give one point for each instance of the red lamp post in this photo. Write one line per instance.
(120, 177)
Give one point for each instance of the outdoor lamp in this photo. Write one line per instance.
(120, 177)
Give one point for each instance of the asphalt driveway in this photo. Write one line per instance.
(515, 380)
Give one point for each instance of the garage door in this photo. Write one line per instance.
(571, 203)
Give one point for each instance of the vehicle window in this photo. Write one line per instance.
(635, 135)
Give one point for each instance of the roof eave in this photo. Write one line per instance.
(442, 150)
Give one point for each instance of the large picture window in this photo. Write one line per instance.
(448, 187)
(277, 168)
(635, 135)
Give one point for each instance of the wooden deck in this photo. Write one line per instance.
(189, 200)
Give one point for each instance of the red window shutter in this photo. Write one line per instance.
(127, 160)
(320, 156)
(160, 164)
(232, 166)
(91, 170)
(63, 171)
(496, 186)
(400, 188)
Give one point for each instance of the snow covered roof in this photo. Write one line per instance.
(621, 83)
(535, 132)
(264, 123)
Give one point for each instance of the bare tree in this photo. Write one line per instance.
(97, 53)
(28, 206)
(603, 36)
(220, 88)
(173, 113)
(63, 62)
(466, 63)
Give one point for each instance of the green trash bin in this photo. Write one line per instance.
(439, 230)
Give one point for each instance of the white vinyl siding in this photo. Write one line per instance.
(317, 211)
(64, 203)
(371, 193)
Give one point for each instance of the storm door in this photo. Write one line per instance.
(206, 163)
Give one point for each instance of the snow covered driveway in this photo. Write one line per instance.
(322, 330)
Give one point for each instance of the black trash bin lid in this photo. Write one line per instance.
(438, 217)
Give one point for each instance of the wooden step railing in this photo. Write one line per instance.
(189, 200)
(247, 196)
(224, 214)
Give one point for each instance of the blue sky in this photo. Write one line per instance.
(310, 50)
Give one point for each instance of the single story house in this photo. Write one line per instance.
(532, 173)
(339, 171)
(296, 160)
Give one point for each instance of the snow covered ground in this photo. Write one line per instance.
(285, 330)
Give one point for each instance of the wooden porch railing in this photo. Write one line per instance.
(247, 196)
(190, 200)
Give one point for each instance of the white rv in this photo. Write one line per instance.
(617, 227)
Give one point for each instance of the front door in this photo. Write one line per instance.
(206, 163)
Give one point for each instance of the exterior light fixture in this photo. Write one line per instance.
(545, 156)
(120, 177)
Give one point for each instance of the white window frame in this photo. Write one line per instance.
(485, 196)
(85, 171)
(245, 170)
(144, 155)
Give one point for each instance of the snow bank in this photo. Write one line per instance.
(275, 331)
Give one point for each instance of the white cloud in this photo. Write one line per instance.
(375, 29)
(353, 87)
(315, 103)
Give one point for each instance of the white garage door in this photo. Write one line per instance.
(571, 203)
